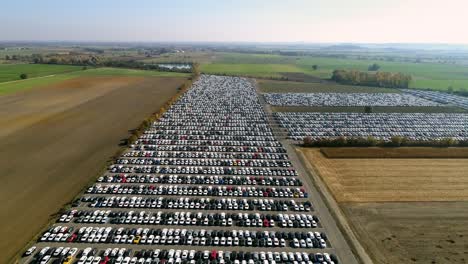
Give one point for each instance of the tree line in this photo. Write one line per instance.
(378, 79)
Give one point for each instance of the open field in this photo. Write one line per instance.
(396, 153)
(12, 72)
(403, 210)
(54, 140)
(254, 69)
(427, 232)
(425, 75)
(392, 180)
(14, 86)
(268, 86)
(375, 109)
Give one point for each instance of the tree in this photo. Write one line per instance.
(308, 141)
(373, 67)
(195, 70)
(132, 139)
(7, 57)
(397, 141)
(315, 67)
(450, 89)
(23, 76)
(368, 109)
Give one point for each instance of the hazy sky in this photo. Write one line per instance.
(237, 20)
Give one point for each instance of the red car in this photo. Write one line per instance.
(72, 238)
(213, 254)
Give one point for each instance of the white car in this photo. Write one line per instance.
(30, 251)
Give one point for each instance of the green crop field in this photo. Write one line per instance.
(425, 75)
(12, 72)
(268, 86)
(9, 87)
(255, 70)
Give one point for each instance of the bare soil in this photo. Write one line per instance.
(428, 232)
(395, 153)
(54, 140)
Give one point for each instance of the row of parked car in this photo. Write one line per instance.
(196, 203)
(200, 179)
(440, 97)
(189, 218)
(346, 99)
(205, 162)
(150, 236)
(208, 148)
(210, 170)
(215, 140)
(157, 256)
(205, 155)
(234, 191)
(415, 126)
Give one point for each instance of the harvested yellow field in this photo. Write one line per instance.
(391, 180)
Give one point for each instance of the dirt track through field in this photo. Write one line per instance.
(54, 140)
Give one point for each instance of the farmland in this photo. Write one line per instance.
(257, 70)
(425, 75)
(391, 217)
(402, 152)
(9, 87)
(429, 232)
(428, 73)
(392, 180)
(12, 72)
(61, 134)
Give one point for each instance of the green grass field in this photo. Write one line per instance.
(12, 72)
(425, 75)
(268, 86)
(254, 70)
(10, 87)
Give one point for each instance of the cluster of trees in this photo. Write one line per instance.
(379, 79)
(396, 141)
(373, 67)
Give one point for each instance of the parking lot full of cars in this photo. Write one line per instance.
(206, 183)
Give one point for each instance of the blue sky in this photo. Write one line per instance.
(376, 21)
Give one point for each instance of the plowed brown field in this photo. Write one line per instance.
(53, 140)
